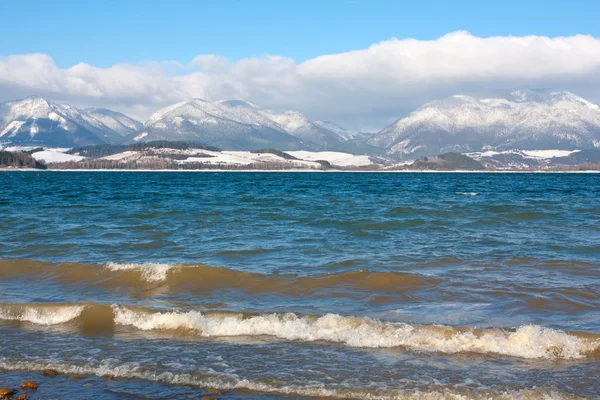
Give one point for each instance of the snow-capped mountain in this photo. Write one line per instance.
(300, 126)
(237, 125)
(120, 123)
(344, 133)
(524, 119)
(35, 121)
(234, 125)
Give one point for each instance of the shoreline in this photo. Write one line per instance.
(301, 171)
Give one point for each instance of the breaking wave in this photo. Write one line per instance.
(228, 382)
(41, 314)
(528, 341)
(150, 272)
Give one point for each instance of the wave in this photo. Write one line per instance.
(528, 341)
(41, 314)
(200, 278)
(150, 272)
(228, 382)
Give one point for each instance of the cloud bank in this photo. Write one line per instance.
(364, 89)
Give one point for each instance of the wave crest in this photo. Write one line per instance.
(41, 314)
(151, 272)
(530, 341)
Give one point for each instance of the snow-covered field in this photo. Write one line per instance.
(55, 155)
(305, 159)
(247, 158)
(334, 158)
(124, 156)
(545, 154)
(533, 154)
(18, 148)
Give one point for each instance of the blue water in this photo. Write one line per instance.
(467, 251)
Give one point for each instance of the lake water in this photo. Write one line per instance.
(296, 285)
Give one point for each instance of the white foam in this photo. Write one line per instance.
(134, 370)
(468, 193)
(528, 341)
(151, 272)
(42, 315)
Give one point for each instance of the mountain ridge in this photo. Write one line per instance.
(523, 119)
(222, 122)
(35, 121)
(536, 119)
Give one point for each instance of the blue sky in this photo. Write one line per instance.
(103, 33)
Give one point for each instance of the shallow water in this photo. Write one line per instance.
(351, 285)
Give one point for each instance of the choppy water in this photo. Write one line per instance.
(349, 285)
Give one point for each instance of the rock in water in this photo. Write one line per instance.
(5, 392)
(50, 372)
(29, 385)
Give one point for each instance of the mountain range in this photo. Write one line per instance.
(241, 125)
(35, 121)
(524, 119)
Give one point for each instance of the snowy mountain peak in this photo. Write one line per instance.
(238, 124)
(523, 119)
(38, 121)
(120, 123)
(344, 133)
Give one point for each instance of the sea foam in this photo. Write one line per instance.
(134, 370)
(41, 315)
(151, 272)
(529, 341)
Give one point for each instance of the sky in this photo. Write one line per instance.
(359, 63)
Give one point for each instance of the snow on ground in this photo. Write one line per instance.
(489, 153)
(52, 156)
(12, 126)
(534, 154)
(399, 164)
(20, 148)
(549, 153)
(334, 158)
(246, 158)
(140, 136)
(124, 156)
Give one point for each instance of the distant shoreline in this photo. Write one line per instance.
(301, 170)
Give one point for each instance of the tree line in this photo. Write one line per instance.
(19, 159)
(165, 164)
(103, 150)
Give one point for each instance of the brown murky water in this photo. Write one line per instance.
(377, 286)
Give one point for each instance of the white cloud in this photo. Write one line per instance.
(362, 88)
